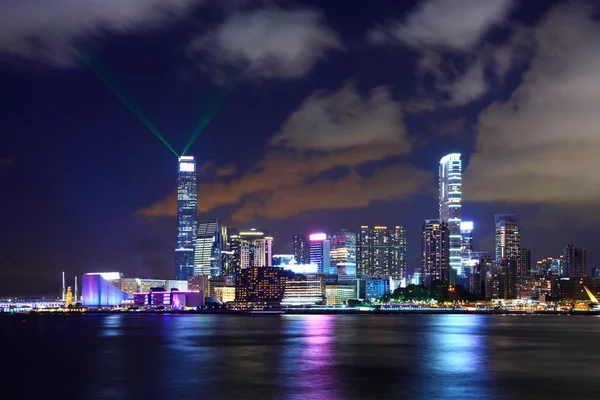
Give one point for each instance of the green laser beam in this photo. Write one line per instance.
(120, 96)
(208, 115)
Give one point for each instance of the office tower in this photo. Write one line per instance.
(508, 237)
(209, 244)
(252, 248)
(301, 250)
(574, 263)
(435, 265)
(186, 218)
(525, 262)
(381, 252)
(450, 183)
(343, 252)
(319, 249)
(466, 233)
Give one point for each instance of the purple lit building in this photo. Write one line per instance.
(98, 290)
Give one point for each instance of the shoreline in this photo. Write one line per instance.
(300, 312)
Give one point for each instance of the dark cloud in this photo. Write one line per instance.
(352, 190)
(35, 29)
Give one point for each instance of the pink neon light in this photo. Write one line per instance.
(318, 236)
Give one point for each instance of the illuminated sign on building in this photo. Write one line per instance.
(187, 167)
(318, 236)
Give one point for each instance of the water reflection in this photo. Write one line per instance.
(454, 358)
(308, 359)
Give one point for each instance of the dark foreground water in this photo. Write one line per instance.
(301, 357)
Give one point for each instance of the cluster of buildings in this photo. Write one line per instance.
(448, 256)
(237, 267)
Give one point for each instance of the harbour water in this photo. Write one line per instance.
(302, 357)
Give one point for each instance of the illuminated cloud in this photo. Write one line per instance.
(344, 119)
(33, 29)
(329, 132)
(279, 169)
(542, 145)
(350, 191)
(445, 24)
(268, 42)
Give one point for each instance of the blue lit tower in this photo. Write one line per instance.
(450, 178)
(186, 218)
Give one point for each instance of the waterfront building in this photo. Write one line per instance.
(306, 289)
(381, 252)
(208, 249)
(375, 289)
(574, 261)
(260, 284)
(435, 252)
(99, 290)
(186, 218)
(339, 294)
(300, 249)
(319, 249)
(450, 199)
(342, 251)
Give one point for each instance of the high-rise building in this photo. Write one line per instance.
(186, 218)
(260, 284)
(435, 265)
(574, 261)
(319, 249)
(342, 252)
(252, 248)
(209, 244)
(450, 186)
(300, 249)
(525, 262)
(508, 237)
(381, 252)
(466, 233)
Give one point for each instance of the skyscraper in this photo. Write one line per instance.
(343, 253)
(250, 248)
(450, 183)
(466, 232)
(435, 252)
(381, 252)
(508, 237)
(186, 218)
(574, 261)
(525, 262)
(319, 246)
(209, 243)
(300, 249)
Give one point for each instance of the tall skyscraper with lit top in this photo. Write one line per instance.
(450, 183)
(186, 218)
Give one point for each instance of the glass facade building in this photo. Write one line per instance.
(381, 252)
(508, 237)
(300, 249)
(342, 250)
(450, 187)
(435, 252)
(209, 244)
(186, 218)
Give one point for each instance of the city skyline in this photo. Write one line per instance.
(340, 125)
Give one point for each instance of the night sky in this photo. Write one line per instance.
(338, 116)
